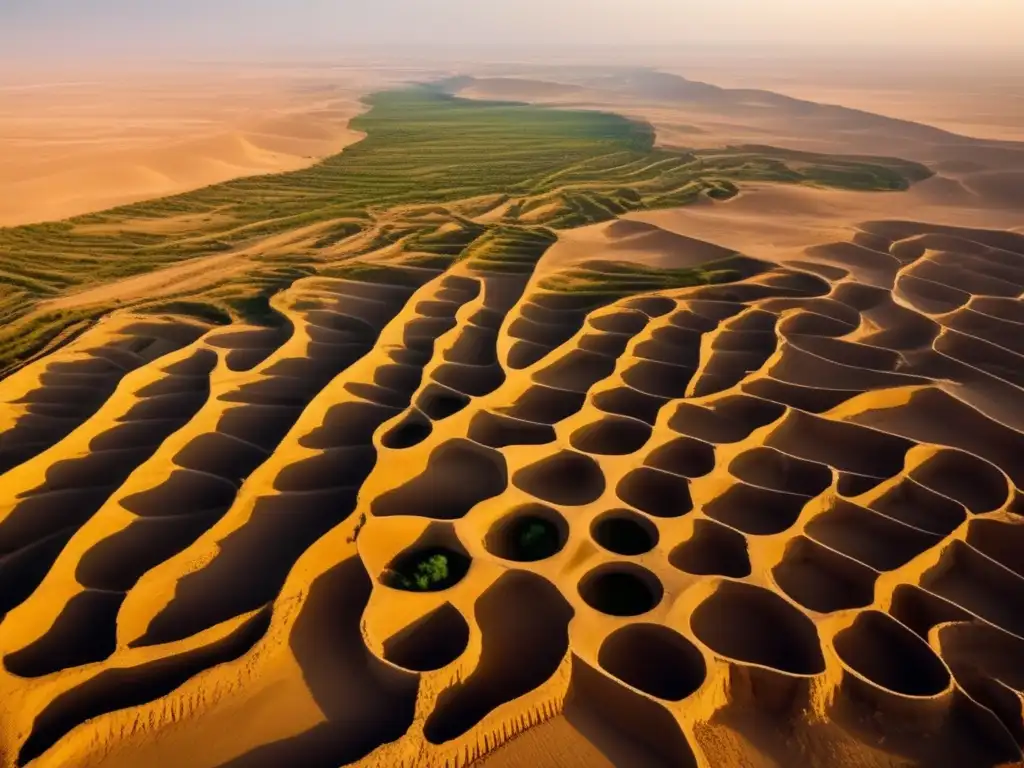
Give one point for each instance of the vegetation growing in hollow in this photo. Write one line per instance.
(428, 570)
(533, 538)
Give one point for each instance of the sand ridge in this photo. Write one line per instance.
(101, 140)
(972, 96)
(810, 543)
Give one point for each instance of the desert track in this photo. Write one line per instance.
(787, 509)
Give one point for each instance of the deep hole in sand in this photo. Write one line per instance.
(624, 533)
(655, 660)
(531, 533)
(621, 590)
(755, 626)
(433, 569)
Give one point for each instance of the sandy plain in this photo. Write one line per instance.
(975, 95)
(787, 507)
(78, 141)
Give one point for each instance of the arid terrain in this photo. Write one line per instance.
(71, 143)
(570, 416)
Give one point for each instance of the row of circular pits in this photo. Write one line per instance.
(712, 548)
(618, 590)
(573, 479)
(760, 468)
(782, 482)
(716, 549)
(534, 531)
(660, 488)
(737, 622)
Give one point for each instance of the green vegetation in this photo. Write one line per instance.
(614, 279)
(429, 570)
(509, 249)
(41, 332)
(534, 538)
(428, 573)
(437, 180)
(343, 230)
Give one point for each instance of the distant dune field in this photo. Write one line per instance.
(651, 424)
(70, 144)
(976, 97)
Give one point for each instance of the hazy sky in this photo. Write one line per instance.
(209, 25)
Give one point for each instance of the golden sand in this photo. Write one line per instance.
(75, 143)
(818, 467)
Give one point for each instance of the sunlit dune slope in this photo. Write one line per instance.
(88, 142)
(477, 461)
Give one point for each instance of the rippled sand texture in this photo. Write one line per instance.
(788, 516)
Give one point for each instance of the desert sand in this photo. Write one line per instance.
(74, 142)
(785, 513)
(980, 96)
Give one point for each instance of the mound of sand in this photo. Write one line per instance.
(515, 89)
(630, 240)
(970, 95)
(68, 148)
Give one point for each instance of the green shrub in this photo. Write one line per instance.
(429, 570)
(428, 574)
(535, 539)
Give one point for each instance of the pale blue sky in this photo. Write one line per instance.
(211, 24)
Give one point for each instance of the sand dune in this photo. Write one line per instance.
(500, 514)
(634, 241)
(971, 95)
(971, 172)
(514, 88)
(68, 148)
(776, 223)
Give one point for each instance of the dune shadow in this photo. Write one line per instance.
(364, 702)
